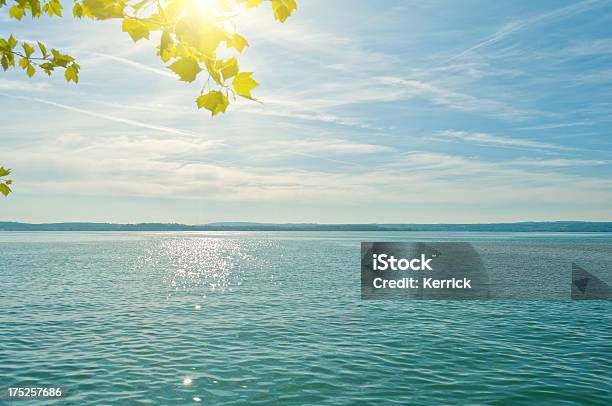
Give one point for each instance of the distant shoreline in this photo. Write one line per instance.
(555, 226)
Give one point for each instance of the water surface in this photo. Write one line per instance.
(276, 318)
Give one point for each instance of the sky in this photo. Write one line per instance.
(371, 112)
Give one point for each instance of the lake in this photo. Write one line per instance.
(277, 318)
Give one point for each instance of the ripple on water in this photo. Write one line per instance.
(184, 319)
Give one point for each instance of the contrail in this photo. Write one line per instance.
(137, 65)
(522, 24)
(132, 123)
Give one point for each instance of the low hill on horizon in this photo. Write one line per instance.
(554, 226)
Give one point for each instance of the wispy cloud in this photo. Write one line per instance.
(557, 163)
(599, 46)
(456, 100)
(307, 110)
(317, 102)
(523, 24)
(415, 177)
(491, 140)
(555, 126)
(322, 147)
(7, 84)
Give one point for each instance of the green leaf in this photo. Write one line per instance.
(186, 68)
(243, 84)
(12, 42)
(43, 48)
(212, 68)
(33, 6)
(28, 49)
(53, 7)
(165, 42)
(31, 70)
(72, 74)
(166, 47)
(4, 171)
(60, 59)
(283, 9)
(213, 101)
(77, 10)
(229, 68)
(105, 9)
(135, 29)
(238, 42)
(47, 67)
(4, 189)
(17, 12)
(23, 63)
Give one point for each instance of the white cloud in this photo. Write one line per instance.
(324, 147)
(19, 85)
(559, 162)
(491, 140)
(123, 166)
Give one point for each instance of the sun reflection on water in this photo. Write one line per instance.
(190, 263)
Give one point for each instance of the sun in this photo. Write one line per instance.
(205, 7)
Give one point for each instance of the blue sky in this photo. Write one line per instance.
(373, 111)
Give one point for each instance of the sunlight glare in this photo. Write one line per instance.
(204, 6)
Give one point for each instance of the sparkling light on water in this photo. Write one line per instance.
(114, 319)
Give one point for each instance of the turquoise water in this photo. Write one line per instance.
(276, 318)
